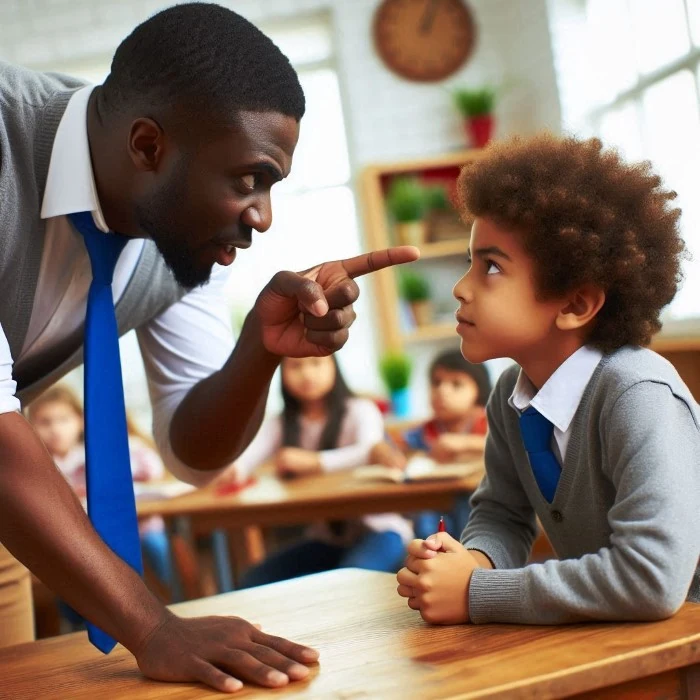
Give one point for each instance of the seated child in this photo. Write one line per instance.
(57, 416)
(323, 428)
(459, 391)
(573, 255)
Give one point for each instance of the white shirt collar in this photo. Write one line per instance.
(561, 394)
(70, 183)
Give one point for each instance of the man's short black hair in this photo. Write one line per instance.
(206, 59)
(454, 360)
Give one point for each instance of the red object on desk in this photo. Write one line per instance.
(229, 489)
(442, 528)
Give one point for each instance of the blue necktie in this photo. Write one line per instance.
(537, 434)
(110, 491)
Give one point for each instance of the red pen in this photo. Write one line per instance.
(442, 528)
(229, 489)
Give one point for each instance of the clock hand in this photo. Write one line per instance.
(428, 17)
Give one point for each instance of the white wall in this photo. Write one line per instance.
(387, 118)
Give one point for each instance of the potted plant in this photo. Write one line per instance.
(443, 222)
(395, 369)
(414, 288)
(406, 202)
(476, 106)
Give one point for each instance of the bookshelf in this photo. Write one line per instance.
(680, 347)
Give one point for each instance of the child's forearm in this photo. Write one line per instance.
(481, 558)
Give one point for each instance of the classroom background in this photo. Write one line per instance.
(380, 150)
(626, 71)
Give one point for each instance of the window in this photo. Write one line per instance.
(629, 72)
(314, 211)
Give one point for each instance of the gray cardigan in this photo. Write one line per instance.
(31, 107)
(625, 519)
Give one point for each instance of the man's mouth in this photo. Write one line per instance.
(225, 254)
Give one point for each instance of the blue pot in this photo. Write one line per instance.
(401, 403)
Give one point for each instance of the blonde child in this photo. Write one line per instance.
(57, 416)
(573, 255)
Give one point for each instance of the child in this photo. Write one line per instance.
(574, 254)
(57, 417)
(459, 391)
(323, 428)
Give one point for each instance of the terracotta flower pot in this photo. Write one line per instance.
(411, 232)
(422, 312)
(479, 129)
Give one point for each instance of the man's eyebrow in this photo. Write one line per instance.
(272, 172)
(492, 250)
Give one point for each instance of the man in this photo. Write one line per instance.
(176, 152)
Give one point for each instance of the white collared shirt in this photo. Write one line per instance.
(186, 343)
(561, 394)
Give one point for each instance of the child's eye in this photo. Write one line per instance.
(491, 267)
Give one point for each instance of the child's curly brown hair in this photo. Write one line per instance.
(586, 218)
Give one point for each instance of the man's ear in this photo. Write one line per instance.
(146, 144)
(581, 308)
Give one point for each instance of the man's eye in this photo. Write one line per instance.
(248, 181)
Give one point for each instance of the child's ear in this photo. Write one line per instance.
(581, 308)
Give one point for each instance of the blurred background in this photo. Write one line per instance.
(380, 147)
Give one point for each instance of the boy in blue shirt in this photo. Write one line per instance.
(573, 255)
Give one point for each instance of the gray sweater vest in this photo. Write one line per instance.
(31, 107)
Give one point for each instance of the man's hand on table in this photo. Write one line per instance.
(221, 652)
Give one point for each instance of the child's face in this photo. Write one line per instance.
(499, 314)
(308, 378)
(452, 393)
(58, 426)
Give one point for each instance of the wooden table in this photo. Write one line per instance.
(272, 501)
(373, 646)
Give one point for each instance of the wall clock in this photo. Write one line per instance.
(424, 40)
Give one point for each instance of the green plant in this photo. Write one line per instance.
(395, 368)
(476, 102)
(413, 287)
(436, 198)
(406, 199)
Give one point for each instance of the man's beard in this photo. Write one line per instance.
(158, 218)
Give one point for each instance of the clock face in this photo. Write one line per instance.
(424, 40)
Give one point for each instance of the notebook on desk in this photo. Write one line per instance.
(419, 468)
(158, 490)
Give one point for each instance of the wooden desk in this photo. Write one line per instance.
(272, 501)
(373, 646)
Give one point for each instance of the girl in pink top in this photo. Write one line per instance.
(323, 428)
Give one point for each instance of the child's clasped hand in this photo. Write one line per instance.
(436, 583)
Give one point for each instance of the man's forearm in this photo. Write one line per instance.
(44, 526)
(221, 415)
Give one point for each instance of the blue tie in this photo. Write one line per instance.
(110, 491)
(537, 434)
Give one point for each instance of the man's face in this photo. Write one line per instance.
(207, 199)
